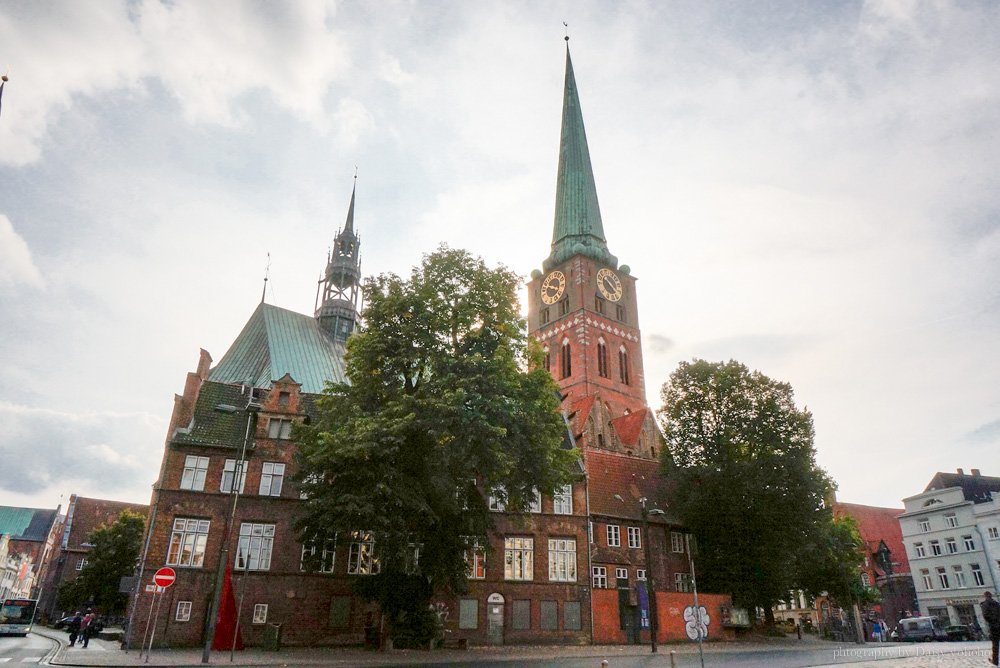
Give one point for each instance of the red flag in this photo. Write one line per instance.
(225, 624)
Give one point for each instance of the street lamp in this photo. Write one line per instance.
(694, 587)
(251, 411)
(650, 588)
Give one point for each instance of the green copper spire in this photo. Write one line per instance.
(578, 229)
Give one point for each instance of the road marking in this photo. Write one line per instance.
(4, 659)
(31, 659)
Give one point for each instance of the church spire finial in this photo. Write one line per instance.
(338, 289)
(577, 229)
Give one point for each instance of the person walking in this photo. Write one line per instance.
(74, 628)
(88, 626)
(991, 613)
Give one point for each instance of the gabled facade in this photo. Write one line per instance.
(953, 553)
(31, 539)
(83, 516)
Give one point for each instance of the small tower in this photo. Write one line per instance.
(337, 292)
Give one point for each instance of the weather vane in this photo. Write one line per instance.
(566, 25)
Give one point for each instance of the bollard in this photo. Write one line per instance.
(673, 659)
(604, 663)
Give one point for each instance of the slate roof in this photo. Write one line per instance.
(30, 524)
(212, 427)
(975, 488)
(276, 341)
(877, 524)
(631, 478)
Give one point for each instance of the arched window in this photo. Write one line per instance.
(547, 359)
(567, 360)
(602, 358)
(623, 365)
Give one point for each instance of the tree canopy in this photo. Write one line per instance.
(748, 485)
(446, 399)
(113, 556)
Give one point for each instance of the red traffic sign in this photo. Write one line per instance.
(164, 577)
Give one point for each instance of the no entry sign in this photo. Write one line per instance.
(164, 577)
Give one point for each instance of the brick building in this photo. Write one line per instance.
(567, 571)
(83, 516)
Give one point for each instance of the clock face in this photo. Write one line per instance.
(609, 284)
(553, 287)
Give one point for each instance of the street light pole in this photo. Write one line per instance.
(650, 582)
(694, 587)
(239, 471)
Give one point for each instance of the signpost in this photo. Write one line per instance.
(162, 579)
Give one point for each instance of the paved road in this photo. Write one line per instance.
(20, 651)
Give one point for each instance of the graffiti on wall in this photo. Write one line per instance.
(696, 622)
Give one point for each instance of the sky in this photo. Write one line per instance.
(808, 188)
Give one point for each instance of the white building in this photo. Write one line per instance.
(951, 532)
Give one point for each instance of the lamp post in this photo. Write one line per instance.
(251, 411)
(694, 587)
(650, 582)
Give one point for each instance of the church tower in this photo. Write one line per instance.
(582, 307)
(337, 292)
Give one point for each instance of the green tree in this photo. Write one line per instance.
(831, 564)
(113, 555)
(446, 399)
(748, 484)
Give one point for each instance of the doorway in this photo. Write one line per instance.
(494, 619)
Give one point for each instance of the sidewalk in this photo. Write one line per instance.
(106, 653)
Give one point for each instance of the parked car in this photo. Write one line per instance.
(61, 624)
(960, 632)
(918, 629)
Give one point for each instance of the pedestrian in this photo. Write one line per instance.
(884, 628)
(88, 626)
(991, 613)
(73, 626)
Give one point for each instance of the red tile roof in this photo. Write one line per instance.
(579, 411)
(628, 427)
(89, 514)
(631, 478)
(878, 524)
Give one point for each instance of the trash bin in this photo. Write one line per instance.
(272, 637)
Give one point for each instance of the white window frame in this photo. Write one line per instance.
(866, 580)
(562, 500)
(190, 537)
(977, 575)
(620, 574)
(969, 542)
(925, 525)
(519, 558)
(993, 533)
(682, 582)
(497, 500)
(928, 580)
(614, 534)
(677, 542)
(327, 557)
(950, 521)
(272, 478)
(535, 505)
(951, 546)
(919, 550)
(936, 549)
(635, 538)
(279, 429)
(960, 582)
(183, 611)
(362, 559)
(562, 559)
(194, 474)
(599, 576)
(81, 563)
(255, 546)
(229, 469)
(475, 562)
(260, 613)
(942, 574)
(640, 574)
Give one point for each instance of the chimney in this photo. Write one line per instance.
(975, 472)
(961, 472)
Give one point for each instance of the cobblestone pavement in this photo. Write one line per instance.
(971, 655)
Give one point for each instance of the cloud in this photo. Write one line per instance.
(97, 453)
(16, 264)
(985, 433)
(657, 343)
